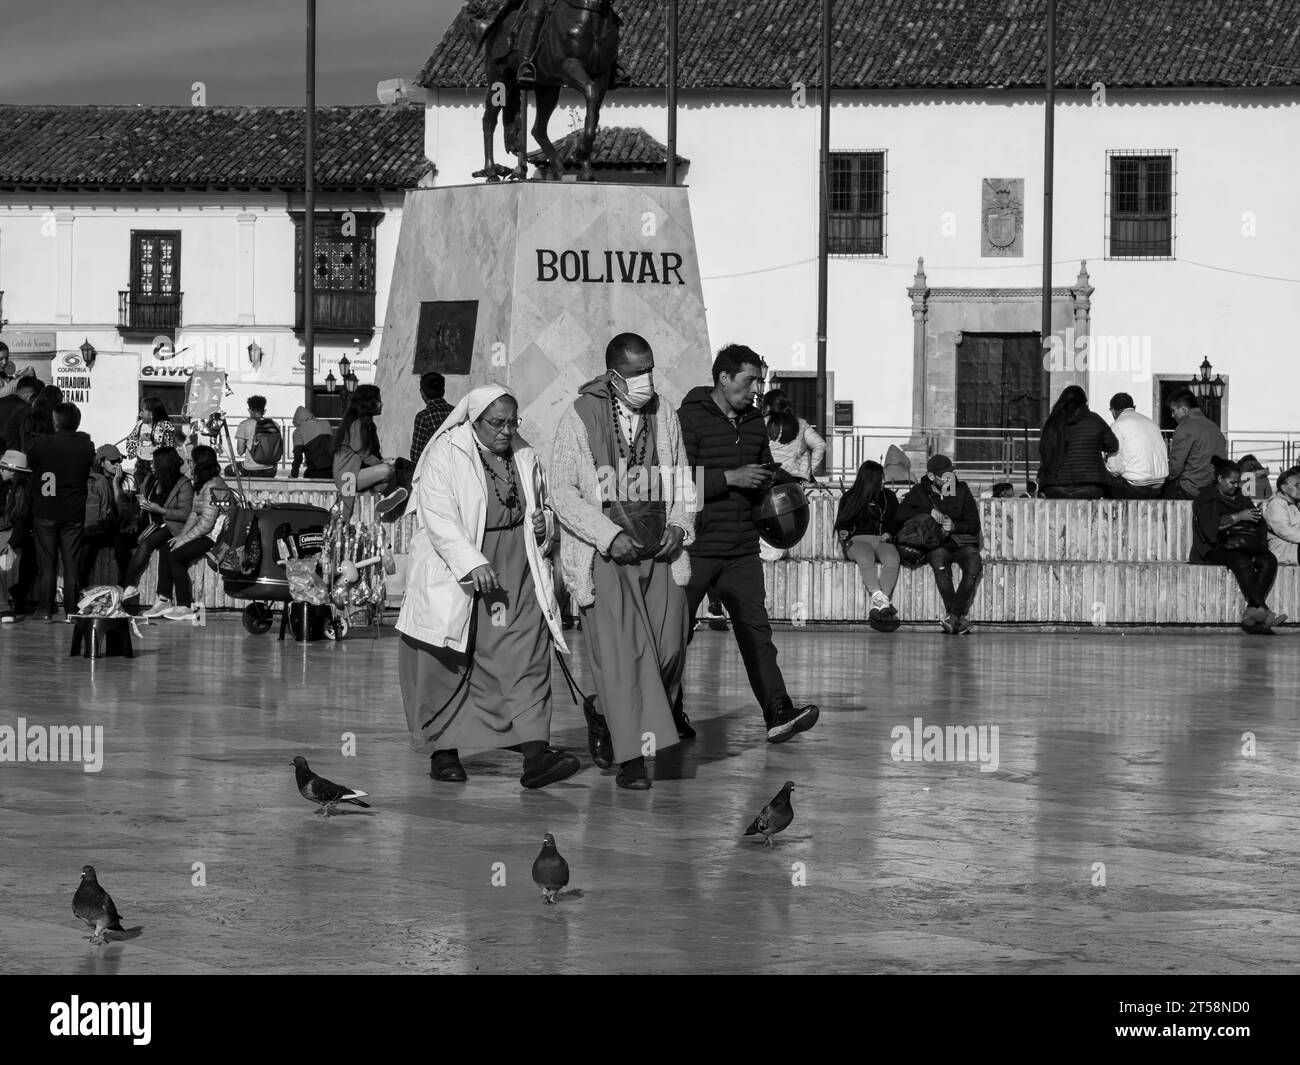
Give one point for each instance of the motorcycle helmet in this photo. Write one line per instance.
(782, 515)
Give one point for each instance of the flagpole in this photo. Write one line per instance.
(823, 236)
(670, 169)
(1048, 155)
(309, 223)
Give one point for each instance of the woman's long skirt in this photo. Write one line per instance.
(506, 698)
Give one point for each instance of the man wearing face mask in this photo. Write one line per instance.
(618, 489)
(726, 438)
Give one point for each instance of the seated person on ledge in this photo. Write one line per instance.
(950, 503)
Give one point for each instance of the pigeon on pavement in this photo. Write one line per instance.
(776, 815)
(324, 793)
(95, 906)
(550, 870)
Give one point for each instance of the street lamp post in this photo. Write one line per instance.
(1209, 392)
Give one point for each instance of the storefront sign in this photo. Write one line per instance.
(30, 343)
(71, 375)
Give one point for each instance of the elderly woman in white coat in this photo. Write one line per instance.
(479, 616)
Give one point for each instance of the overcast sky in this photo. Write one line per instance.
(244, 51)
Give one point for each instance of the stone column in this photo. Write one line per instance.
(244, 314)
(63, 286)
(1080, 319)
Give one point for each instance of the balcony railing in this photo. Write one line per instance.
(338, 311)
(137, 313)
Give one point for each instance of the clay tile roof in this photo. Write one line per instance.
(939, 44)
(616, 148)
(208, 147)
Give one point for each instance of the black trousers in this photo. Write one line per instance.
(174, 569)
(738, 582)
(122, 545)
(968, 558)
(57, 541)
(143, 552)
(1255, 573)
(1076, 491)
(1122, 489)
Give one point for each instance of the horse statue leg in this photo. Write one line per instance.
(593, 92)
(490, 114)
(546, 97)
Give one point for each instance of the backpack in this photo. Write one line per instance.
(99, 504)
(318, 454)
(267, 447)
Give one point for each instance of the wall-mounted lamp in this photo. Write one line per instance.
(88, 353)
(255, 355)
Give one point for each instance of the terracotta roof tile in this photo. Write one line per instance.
(222, 147)
(941, 44)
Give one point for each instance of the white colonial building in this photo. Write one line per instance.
(1177, 141)
(121, 226)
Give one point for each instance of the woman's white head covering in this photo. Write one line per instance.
(467, 410)
(471, 406)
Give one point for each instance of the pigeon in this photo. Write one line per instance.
(776, 815)
(324, 793)
(95, 906)
(550, 870)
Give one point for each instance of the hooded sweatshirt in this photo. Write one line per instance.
(307, 428)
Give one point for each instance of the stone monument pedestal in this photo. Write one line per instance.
(523, 285)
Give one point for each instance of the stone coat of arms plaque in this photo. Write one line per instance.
(1002, 214)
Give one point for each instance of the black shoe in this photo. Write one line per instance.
(949, 624)
(788, 721)
(717, 622)
(964, 626)
(683, 723)
(392, 506)
(599, 744)
(555, 765)
(445, 766)
(633, 776)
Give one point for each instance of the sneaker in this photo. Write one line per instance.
(392, 506)
(964, 626)
(1274, 619)
(6, 618)
(47, 619)
(159, 608)
(949, 624)
(788, 721)
(717, 622)
(130, 592)
(879, 602)
(179, 613)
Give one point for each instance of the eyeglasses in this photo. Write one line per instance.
(497, 425)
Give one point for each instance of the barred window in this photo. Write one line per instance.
(1141, 205)
(856, 203)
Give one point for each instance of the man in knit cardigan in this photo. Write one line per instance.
(620, 488)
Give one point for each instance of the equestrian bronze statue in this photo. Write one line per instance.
(544, 45)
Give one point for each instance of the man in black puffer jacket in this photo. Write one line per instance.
(724, 436)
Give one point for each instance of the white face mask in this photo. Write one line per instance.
(637, 391)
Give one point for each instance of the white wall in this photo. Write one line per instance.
(753, 179)
(99, 266)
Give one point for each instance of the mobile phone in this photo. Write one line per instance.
(771, 467)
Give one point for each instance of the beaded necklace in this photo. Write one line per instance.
(635, 459)
(511, 499)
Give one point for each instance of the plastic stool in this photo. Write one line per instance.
(96, 637)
